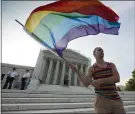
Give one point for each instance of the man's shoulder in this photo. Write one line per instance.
(28, 73)
(94, 65)
(16, 73)
(9, 72)
(110, 63)
(91, 67)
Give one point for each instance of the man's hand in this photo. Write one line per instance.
(96, 83)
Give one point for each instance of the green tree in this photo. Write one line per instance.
(130, 85)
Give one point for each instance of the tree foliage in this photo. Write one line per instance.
(130, 85)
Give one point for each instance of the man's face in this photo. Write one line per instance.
(99, 53)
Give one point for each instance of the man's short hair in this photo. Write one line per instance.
(14, 68)
(95, 50)
(27, 70)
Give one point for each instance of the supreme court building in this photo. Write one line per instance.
(51, 69)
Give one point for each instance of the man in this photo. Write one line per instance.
(105, 76)
(2, 76)
(25, 77)
(66, 81)
(10, 78)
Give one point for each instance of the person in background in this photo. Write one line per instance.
(10, 78)
(66, 81)
(24, 78)
(2, 76)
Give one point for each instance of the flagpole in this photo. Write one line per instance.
(69, 63)
(19, 22)
(51, 50)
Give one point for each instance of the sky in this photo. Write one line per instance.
(19, 48)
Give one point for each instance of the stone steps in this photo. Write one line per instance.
(53, 100)
(26, 101)
(37, 95)
(47, 92)
(46, 100)
(47, 106)
(67, 92)
(65, 111)
(22, 95)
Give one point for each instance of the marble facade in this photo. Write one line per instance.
(51, 69)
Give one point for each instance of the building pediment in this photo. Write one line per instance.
(74, 54)
(68, 54)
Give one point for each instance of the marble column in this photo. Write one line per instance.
(49, 72)
(81, 84)
(56, 72)
(63, 72)
(75, 78)
(41, 75)
(69, 75)
(34, 81)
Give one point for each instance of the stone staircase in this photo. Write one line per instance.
(44, 102)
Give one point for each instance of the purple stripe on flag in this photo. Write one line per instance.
(84, 30)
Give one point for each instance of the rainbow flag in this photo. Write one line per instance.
(55, 24)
